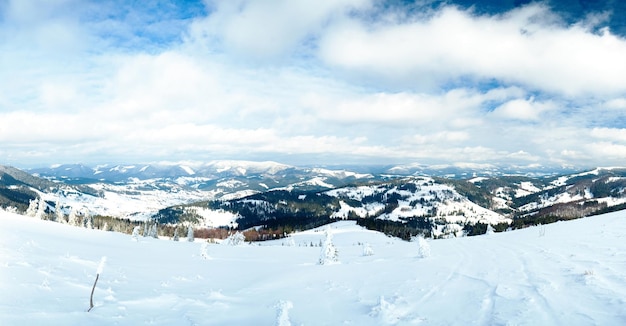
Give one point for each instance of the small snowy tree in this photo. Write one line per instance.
(367, 250)
(41, 210)
(135, 235)
(146, 229)
(32, 207)
(175, 238)
(87, 220)
(154, 231)
(190, 237)
(329, 253)
(490, 230)
(58, 211)
(235, 239)
(74, 219)
(423, 249)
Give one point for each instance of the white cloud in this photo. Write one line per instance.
(522, 109)
(312, 82)
(611, 134)
(267, 29)
(523, 47)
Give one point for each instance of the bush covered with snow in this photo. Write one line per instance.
(235, 239)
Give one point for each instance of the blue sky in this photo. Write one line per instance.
(311, 82)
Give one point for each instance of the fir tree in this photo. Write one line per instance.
(329, 253)
(190, 237)
(135, 235)
(73, 219)
(58, 211)
(32, 207)
(41, 210)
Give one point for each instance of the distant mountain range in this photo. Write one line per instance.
(438, 200)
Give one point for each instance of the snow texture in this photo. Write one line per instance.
(47, 271)
(101, 265)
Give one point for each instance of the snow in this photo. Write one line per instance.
(341, 173)
(567, 273)
(477, 179)
(419, 202)
(526, 188)
(187, 169)
(315, 181)
(214, 218)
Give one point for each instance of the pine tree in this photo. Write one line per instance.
(146, 229)
(154, 231)
(190, 233)
(329, 253)
(367, 250)
(41, 210)
(489, 229)
(135, 235)
(175, 238)
(60, 217)
(32, 207)
(73, 219)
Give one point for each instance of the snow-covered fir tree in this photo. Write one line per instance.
(146, 229)
(41, 210)
(74, 219)
(32, 207)
(490, 229)
(329, 253)
(58, 211)
(190, 237)
(154, 231)
(175, 238)
(135, 235)
(87, 219)
(367, 250)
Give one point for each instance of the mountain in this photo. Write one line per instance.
(16, 188)
(469, 170)
(399, 200)
(137, 191)
(406, 206)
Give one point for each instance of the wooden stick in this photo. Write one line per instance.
(93, 289)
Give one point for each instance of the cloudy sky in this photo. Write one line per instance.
(310, 82)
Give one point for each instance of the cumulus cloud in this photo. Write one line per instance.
(524, 47)
(268, 29)
(522, 109)
(306, 81)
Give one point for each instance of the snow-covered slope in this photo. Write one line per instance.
(418, 196)
(567, 273)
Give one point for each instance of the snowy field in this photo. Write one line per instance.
(568, 273)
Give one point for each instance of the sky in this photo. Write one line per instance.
(312, 82)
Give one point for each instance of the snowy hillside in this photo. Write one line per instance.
(419, 196)
(546, 275)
